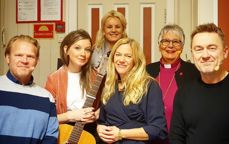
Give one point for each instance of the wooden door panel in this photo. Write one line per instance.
(223, 22)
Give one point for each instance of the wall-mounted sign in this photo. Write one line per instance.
(60, 27)
(43, 31)
(28, 11)
(50, 10)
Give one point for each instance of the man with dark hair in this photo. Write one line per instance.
(201, 108)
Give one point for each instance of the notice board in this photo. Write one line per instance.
(39, 11)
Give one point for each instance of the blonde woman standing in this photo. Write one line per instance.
(132, 108)
(113, 27)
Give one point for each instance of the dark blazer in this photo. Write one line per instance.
(184, 74)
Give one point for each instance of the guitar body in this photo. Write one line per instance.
(65, 132)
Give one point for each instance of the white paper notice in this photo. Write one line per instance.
(27, 10)
(50, 10)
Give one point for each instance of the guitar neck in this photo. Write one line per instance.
(76, 133)
(91, 96)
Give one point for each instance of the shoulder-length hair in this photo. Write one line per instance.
(137, 80)
(99, 36)
(68, 41)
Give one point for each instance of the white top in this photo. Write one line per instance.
(75, 98)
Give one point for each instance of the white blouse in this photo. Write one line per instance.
(75, 97)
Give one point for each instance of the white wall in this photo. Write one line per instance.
(207, 11)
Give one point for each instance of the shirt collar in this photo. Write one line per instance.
(168, 66)
(13, 79)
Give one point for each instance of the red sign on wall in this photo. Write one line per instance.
(43, 31)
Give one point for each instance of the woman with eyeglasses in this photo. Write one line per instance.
(171, 71)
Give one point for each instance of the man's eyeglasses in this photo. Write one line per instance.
(175, 43)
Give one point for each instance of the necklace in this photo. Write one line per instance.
(170, 82)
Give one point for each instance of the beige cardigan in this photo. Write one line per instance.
(57, 84)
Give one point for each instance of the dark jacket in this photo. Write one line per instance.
(184, 74)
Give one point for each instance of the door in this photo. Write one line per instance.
(223, 23)
(144, 18)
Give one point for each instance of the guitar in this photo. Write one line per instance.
(70, 135)
(75, 134)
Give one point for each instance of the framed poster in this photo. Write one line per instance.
(28, 11)
(50, 10)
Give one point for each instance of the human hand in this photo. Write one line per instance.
(86, 115)
(89, 115)
(108, 134)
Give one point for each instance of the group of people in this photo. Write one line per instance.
(170, 101)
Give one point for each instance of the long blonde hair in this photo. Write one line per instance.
(99, 42)
(136, 81)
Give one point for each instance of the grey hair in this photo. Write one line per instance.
(174, 29)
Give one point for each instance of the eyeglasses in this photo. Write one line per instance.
(175, 43)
